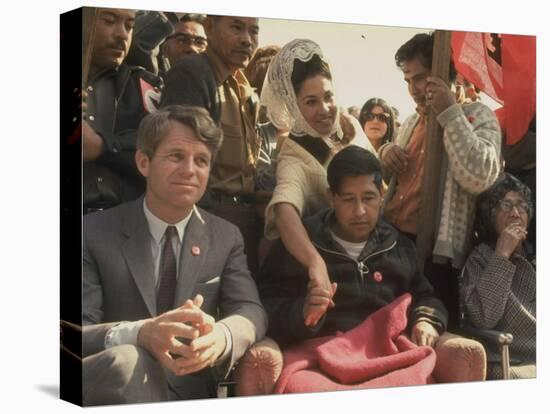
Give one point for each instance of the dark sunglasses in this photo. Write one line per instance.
(383, 117)
(189, 39)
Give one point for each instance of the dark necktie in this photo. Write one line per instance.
(167, 273)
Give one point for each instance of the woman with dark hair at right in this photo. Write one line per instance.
(377, 120)
(499, 286)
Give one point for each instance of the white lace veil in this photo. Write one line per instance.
(278, 93)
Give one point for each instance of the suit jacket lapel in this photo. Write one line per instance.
(137, 252)
(192, 255)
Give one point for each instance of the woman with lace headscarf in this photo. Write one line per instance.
(299, 96)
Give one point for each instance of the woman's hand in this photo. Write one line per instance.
(320, 293)
(509, 239)
(318, 301)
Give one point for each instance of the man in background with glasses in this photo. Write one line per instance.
(188, 38)
(161, 39)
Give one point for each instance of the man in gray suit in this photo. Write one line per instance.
(168, 302)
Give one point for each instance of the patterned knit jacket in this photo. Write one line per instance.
(471, 164)
(501, 294)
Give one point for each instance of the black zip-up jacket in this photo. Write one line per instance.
(385, 270)
(116, 105)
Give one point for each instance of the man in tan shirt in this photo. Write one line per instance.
(214, 80)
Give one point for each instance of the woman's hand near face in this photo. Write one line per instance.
(509, 239)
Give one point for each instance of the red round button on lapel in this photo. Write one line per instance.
(378, 276)
(195, 250)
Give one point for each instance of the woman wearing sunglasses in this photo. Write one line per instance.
(377, 120)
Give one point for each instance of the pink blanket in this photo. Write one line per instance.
(374, 354)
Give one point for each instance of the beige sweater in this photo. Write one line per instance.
(302, 180)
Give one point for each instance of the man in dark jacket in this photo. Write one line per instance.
(118, 96)
(369, 262)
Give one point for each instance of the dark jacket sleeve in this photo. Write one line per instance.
(120, 142)
(119, 152)
(282, 284)
(150, 30)
(192, 82)
(425, 306)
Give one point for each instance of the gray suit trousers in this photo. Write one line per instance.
(121, 375)
(127, 374)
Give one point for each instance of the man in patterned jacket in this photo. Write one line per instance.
(471, 164)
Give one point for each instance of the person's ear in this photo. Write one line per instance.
(143, 163)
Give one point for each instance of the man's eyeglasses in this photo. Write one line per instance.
(508, 206)
(383, 117)
(188, 39)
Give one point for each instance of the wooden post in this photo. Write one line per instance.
(431, 180)
(89, 15)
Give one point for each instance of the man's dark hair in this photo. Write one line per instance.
(306, 70)
(353, 161)
(421, 45)
(193, 17)
(488, 201)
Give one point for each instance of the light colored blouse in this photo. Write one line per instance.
(302, 179)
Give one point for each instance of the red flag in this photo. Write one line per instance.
(472, 59)
(504, 67)
(519, 74)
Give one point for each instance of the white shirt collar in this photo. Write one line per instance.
(157, 227)
(352, 249)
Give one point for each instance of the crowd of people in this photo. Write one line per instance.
(228, 196)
